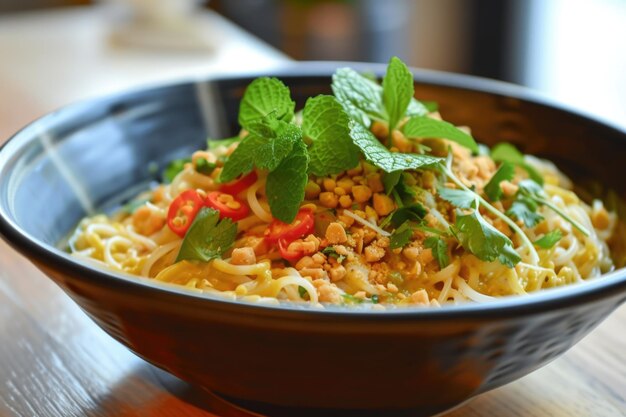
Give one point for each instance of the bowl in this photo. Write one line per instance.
(288, 359)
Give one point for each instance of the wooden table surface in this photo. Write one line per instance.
(54, 361)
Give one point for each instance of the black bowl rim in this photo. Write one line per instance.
(610, 284)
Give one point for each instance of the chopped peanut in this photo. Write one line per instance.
(311, 190)
(329, 184)
(375, 183)
(305, 262)
(335, 233)
(411, 253)
(243, 256)
(383, 204)
(345, 201)
(374, 253)
(314, 273)
(147, 221)
(346, 183)
(339, 191)
(348, 221)
(401, 142)
(337, 273)
(361, 193)
(379, 129)
(419, 297)
(328, 199)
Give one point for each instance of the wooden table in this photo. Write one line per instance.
(55, 362)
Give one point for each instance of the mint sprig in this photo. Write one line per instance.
(265, 96)
(326, 125)
(398, 90)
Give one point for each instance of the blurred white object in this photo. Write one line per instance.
(160, 24)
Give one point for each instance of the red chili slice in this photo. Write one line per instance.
(285, 253)
(300, 227)
(183, 211)
(238, 185)
(228, 205)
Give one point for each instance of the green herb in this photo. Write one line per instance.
(375, 299)
(390, 180)
(208, 237)
(550, 239)
(504, 173)
(398, 90)
(431, 106)
(331, 252)
(505, 152)
(525, 210)
(401, 236)
(265, 96)
(215, 143)
(285, 185)
(376, 153)
(326, 125)
(267, 144)
(464, 199)
(133, 205)
(205, 167)
(483, 240)
(173, 169)
(352, 299)
(426, 127)
(439, 248)
(304, 294)
(413, 212)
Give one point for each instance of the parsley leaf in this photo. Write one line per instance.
(264, 96)
(426, 127)
(458, 198)
(326, 124)
(173, 169)
(505, 152)
(550, 239)
(267, 144)
(401, 236)
(398, 89)
(414, 212)
(285, 185)
(208, 237)
(504, 173)
(525, 209)
(439, 248)
(483, 240)
(377, 154)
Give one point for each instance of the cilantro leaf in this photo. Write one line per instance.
(268, 143)
(458, 198)
(264, 96)
(377, 154)
(398, 89)
(525, 209)
(483, 240)
(173, 169)
(390, 180)
(331, 252)
(550, 239)
(414, 212)
(285, 185)
(326, 124)
(504, 173)
(208, 237)
(401, 236)
(505, 152)
(439, 248)
(426, 127)
(214, 143)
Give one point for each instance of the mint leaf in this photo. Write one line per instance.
(426, 127)
(505, 152)
(398, 90)
(376, 153)
(285, 185)
(215, 143)
(267, 144)
(173, 169)
(430, 106)
(208, 237)
(458, 198)
(390, 180)
(525, 210)
(359, 96)
(401, 236)
(439, 248)
(413, 212)
(504, 173)
(265, 96)
(483, 240)
(326, 124)
(550, 239)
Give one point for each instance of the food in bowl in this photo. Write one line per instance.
(365, 197)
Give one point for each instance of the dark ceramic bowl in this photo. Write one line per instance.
(413, 362)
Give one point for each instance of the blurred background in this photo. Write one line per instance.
(573, 50)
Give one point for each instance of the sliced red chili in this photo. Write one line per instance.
(183, 211)
(300, 227)
(238, 185)
(292, 256)
(228, 205)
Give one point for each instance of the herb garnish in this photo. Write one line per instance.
(208, 237)
(401, 236)
(426, 127)
(173, 169)
(550, 239)
(504, 173)
(439, 249)
(505, 152)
